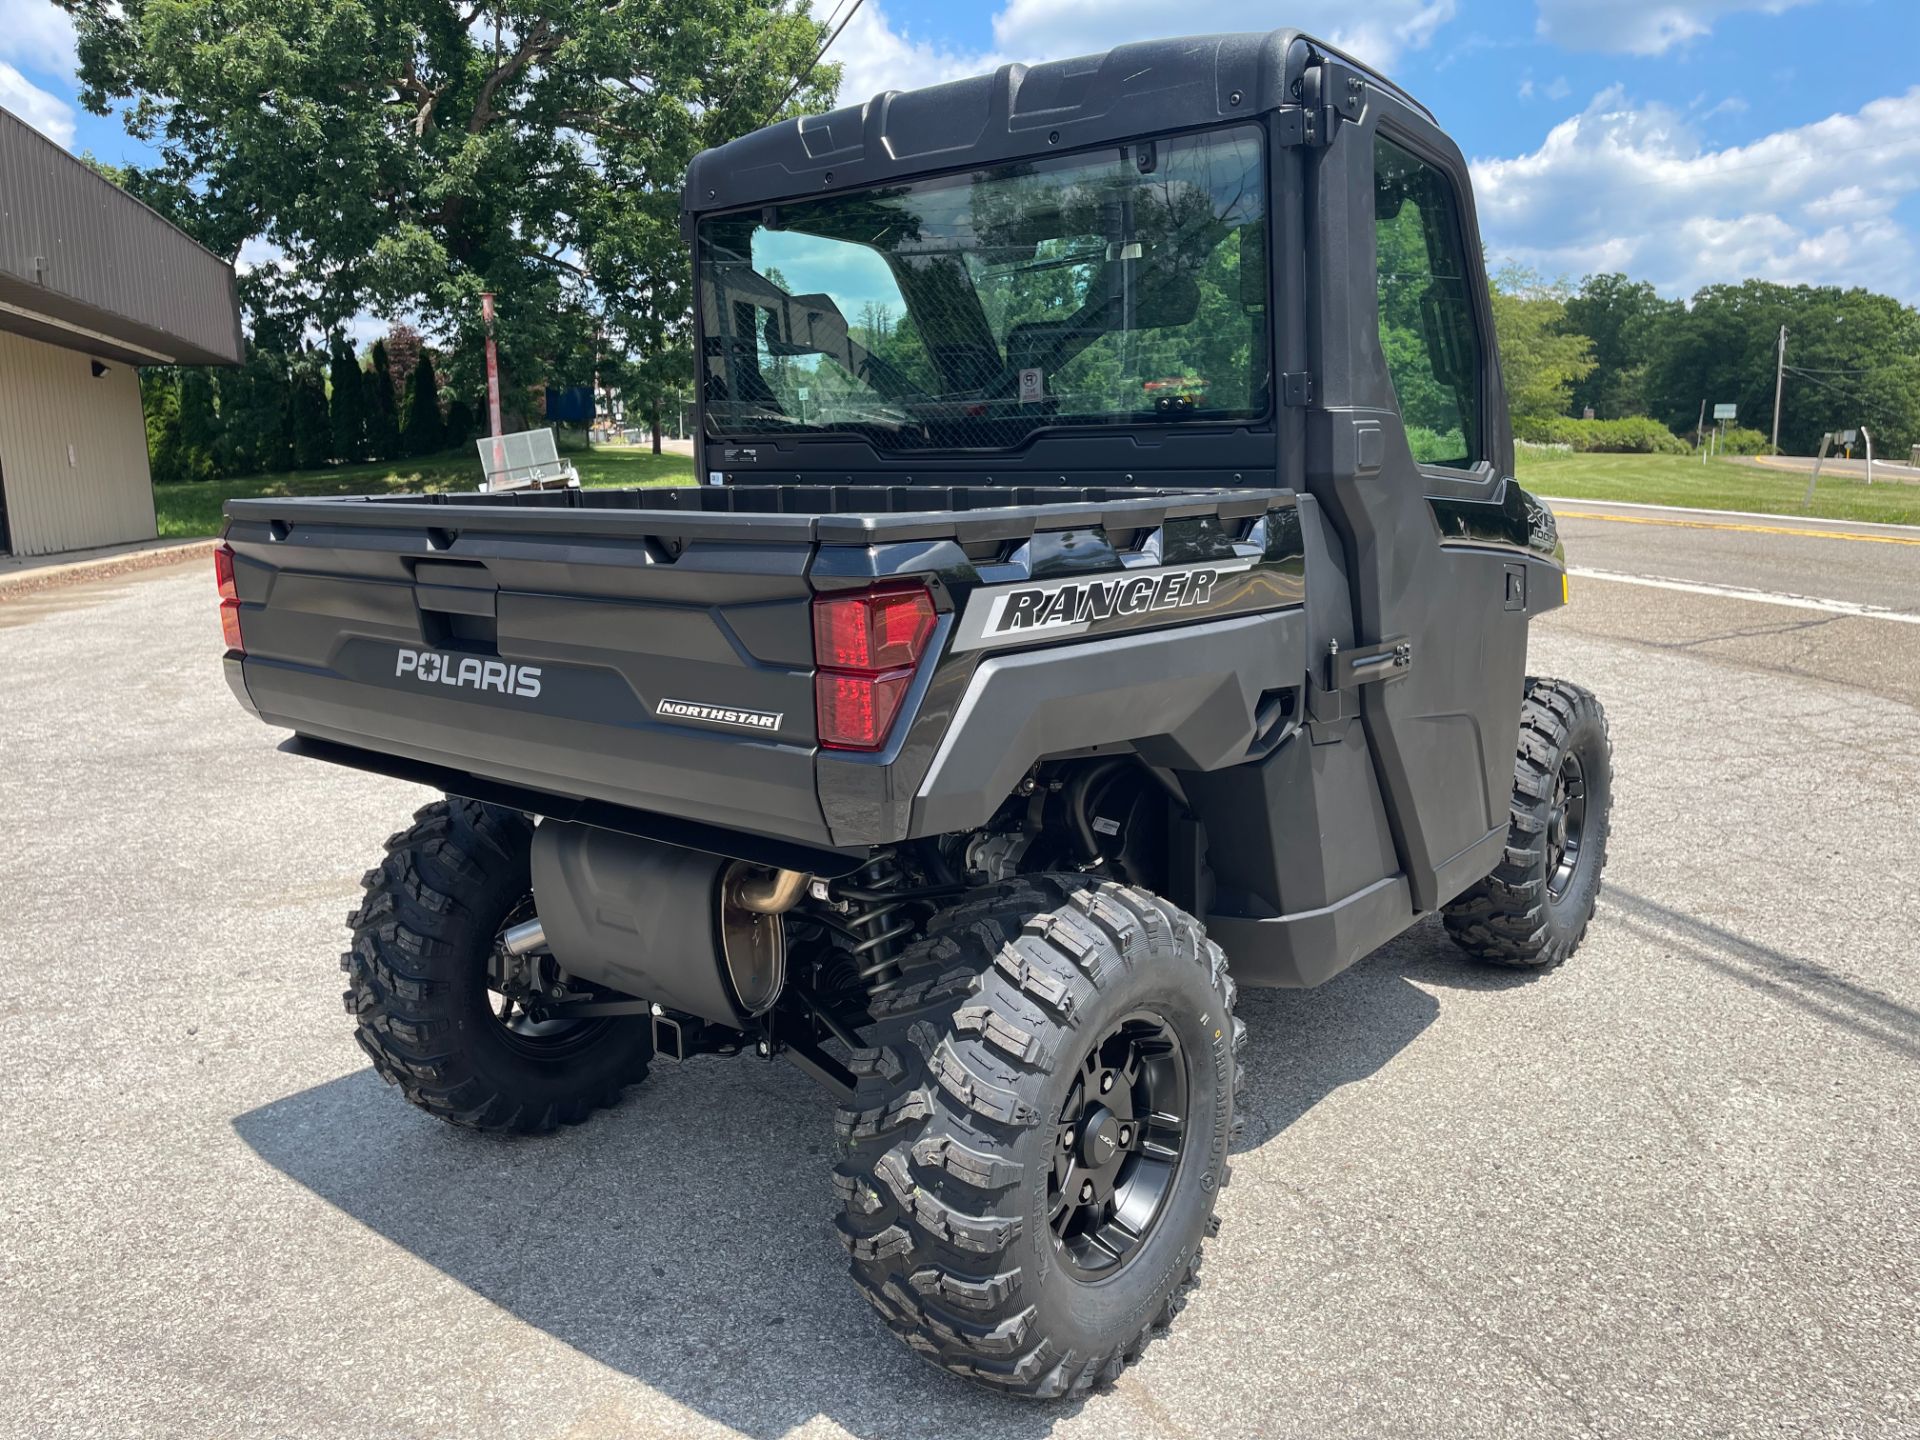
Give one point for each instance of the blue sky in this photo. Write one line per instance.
(1684, 141)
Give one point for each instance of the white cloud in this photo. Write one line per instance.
(878, 57)
(38, 35)
(48, 114)
(1620, 187)
(1640, 27)
(256, 253)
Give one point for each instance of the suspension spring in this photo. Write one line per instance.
(880, 921)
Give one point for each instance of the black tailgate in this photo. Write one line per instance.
(660, 662)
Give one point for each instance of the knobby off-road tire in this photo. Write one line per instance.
(417, 983)
(1532, 912)
(952, 1149)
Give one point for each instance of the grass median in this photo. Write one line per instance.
(186, 511)
(1716, 485)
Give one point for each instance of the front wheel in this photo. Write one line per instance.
(425, 992)
(1040, 1132)
(1532, 912)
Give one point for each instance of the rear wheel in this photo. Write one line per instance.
(1532, 912)
(1040, 1132)
(426, 987)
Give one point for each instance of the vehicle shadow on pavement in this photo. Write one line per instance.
(685, 1238)
(1304, 1044)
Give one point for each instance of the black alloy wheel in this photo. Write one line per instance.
(1566, 825)
(1117, 1145)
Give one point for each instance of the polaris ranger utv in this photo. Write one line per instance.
(1106, 587)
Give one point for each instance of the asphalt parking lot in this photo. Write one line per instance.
(1673, 1189)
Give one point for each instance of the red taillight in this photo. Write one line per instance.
(229, 597)
(866, 644)
(857, 711)
(872, 629)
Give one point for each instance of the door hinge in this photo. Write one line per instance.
(1296, 388)
(1391, 659)
(1298, 125)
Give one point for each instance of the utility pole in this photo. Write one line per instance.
(1779, 376)
(1700, 433)
(493, 383)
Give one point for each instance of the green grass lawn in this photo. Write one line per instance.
(1716, 485)
(185, 511)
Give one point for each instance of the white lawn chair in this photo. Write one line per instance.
(529, 460)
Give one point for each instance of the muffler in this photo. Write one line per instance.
(688, 931)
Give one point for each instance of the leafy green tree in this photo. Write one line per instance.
(424, 432)
(253, 415)
(382, 408)
(1541, 356)
(1623, 318)
(199, 426)
(346, 400)
(406, 155)
(1854, 358)
(311, 425)
(160, 398)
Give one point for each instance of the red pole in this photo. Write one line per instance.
(493, 382)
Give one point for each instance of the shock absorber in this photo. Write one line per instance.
(879, 919)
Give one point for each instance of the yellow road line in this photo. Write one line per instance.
(1725, 525)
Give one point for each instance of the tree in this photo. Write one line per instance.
(1854, 358)
(160, 399)
(383, 410)
(1623, 318)
(1541, 357)
(346, 400)
(423, 433)
(406, 155)
(199, 426)
(312, 427)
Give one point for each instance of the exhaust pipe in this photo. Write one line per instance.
(774, 895)
(524, 938)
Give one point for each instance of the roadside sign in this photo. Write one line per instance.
(1725, 412)
(1849, 437)
(1033, 386)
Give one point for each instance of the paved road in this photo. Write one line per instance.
(1672, 1189)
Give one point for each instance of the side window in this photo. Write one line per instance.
(1428, 328)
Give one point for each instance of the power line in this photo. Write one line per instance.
(801, 78)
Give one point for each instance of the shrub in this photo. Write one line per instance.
(1636, 435)
(1738, 440)
(1435, 447)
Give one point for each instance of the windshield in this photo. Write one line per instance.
(1126, 287)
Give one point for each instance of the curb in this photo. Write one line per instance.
(36, 579)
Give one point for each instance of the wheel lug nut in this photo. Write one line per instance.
(1126, 1135)
(1106, 1082)
(1086, 1191)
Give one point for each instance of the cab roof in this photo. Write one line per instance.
(1018, 111)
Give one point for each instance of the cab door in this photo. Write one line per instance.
(1409, 451)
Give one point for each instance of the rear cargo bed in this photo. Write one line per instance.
(532, 639)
